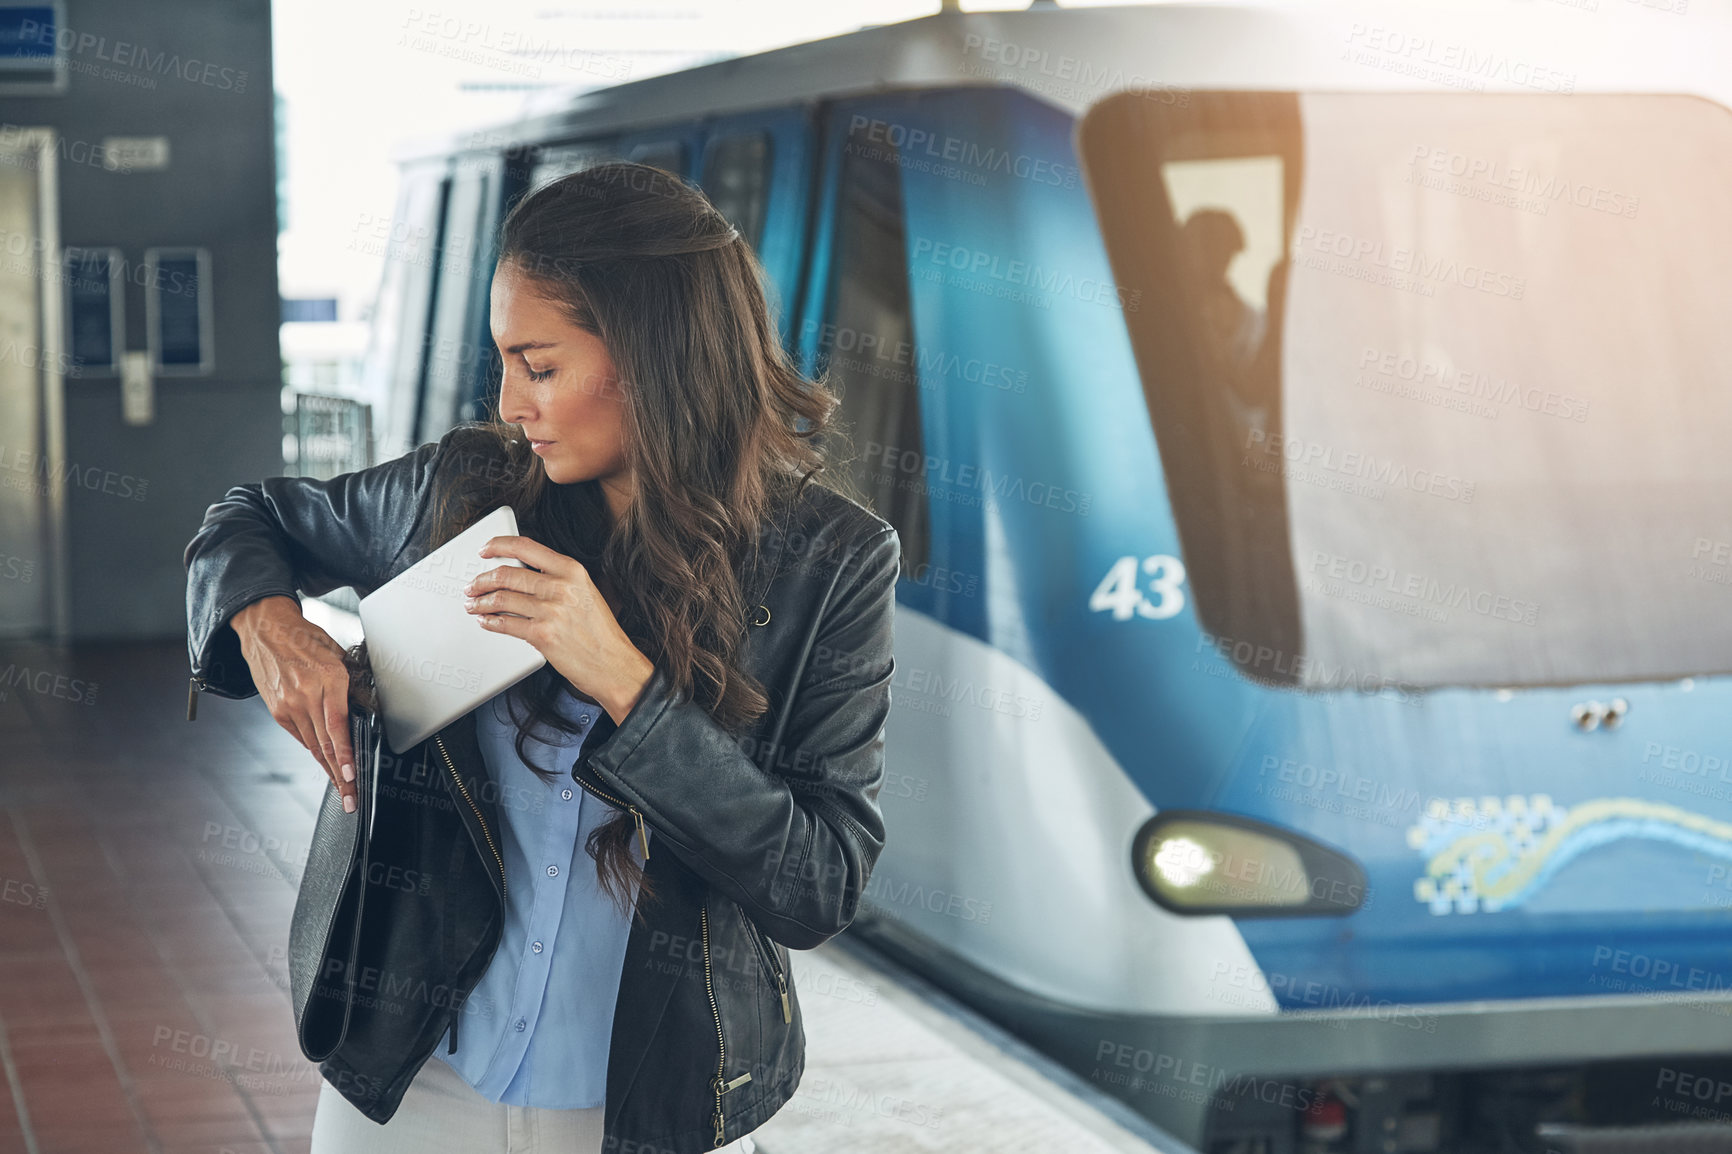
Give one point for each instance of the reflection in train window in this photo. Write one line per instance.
(1228, 213)
(868, 308)
(1227, 222)
(1211, 207)
(737, 181)
(667, 155)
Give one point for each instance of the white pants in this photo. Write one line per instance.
(443, 1114)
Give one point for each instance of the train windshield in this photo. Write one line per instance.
(1442, 384)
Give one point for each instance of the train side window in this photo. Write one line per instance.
(555, 161)
(865, 348)
(737, 181)
(395, 349)
(667, 155)
(452, 359)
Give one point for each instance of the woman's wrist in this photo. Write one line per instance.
(622, 697)
(258, 615)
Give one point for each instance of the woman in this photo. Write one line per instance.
(612, 858)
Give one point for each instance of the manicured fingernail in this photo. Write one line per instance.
(348, 803)
(469, 603)
(348, 772)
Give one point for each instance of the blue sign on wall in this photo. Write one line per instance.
(27, 34)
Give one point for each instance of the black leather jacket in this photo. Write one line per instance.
(763, 842)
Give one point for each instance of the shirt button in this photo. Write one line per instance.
(535, 946)
(584, 720)
(520, 1026)
(552, 871)
(566, 794)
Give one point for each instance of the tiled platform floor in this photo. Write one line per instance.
(148, 870)
(147, 873)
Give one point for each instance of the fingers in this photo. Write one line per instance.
(301, 727)
(335, 738)
(506, 577)
(520, 627)
(506, 601)
(300, 733)
(531, 552)
(299, 670)
(341, 738)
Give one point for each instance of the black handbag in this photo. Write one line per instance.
(325, 932)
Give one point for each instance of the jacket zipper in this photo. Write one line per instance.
(721, 1087)
(772, 963)
(196, 685)
(617, 803)
(485, 832)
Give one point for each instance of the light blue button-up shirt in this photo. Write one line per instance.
(537, 1027)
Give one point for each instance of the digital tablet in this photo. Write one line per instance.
(432, 660)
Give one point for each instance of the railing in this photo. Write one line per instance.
(327, 436)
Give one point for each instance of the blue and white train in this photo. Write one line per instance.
(1310, 434)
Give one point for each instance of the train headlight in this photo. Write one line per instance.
(1197, 862)
(1182, 862)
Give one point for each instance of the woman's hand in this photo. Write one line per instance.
(299, 672)
(560, 611)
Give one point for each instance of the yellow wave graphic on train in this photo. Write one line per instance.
(1512, 843)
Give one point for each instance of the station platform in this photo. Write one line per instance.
(894, 1066)
(148, 870)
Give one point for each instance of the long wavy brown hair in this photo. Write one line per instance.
(722, 431)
